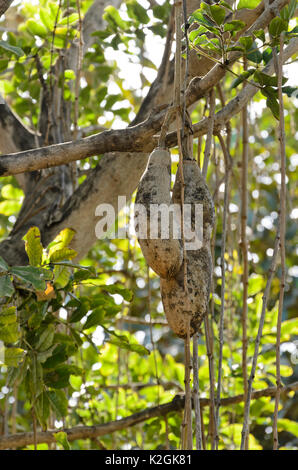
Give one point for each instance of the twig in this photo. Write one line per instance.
(243, 244)
(138, 138)
(223, 249)
(186, 425)
(151, 334)
(283, 190)
(187, 421)
(23, 439)
(141, 321)
(209, 347)
(196, 393)
(209, 133)
(258, 340)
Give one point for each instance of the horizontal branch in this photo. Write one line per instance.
(236, 104)
(140, 385)
(131, 139)
(141, 321)
(91, 432)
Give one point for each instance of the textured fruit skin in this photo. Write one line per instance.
(179, 307)
(162, 255)
(165, 257)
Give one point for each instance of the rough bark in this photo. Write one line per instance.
(4, 5)
(23, 439)
(78, 212)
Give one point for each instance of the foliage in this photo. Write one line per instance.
(70, 356)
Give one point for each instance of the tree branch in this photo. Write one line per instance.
(132, 139)
(91, 432)
(4, 5)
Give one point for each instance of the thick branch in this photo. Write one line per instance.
(132, 139)
(91, 432)
(4, 5)
(236, 104)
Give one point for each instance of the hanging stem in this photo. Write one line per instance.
(187, 425)
(283, 190)
(209, 137)
(78, 70)
(188, 405)
(196, 393)
(209, 347)
(271, 272)
(243, 245)
(223, 250)
(151, 335)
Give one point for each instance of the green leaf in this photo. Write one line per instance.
(42, 409)
(118, 289)
(284, 424)
(8, 316)
(273, 104)
(9, 333)
(43, 356)
(61, 438)
(61, 241)
(13, 356)
(218, 13)
(9, 207)
(45, 339)
(33, 246)
(247, 4)
(58, 402)
(33, 275)
(288, 11)
(267, 55)
(277, 26)
(62, 254)
(226, 5)
(255, 284)
(260, 35)
(35, 319)
(3, 265)
(61, 275)
(69, 74)
(136, 11)
(269, 92)
(9, 191)
(289, 327)
(81, 275)
(195, 33)
(112, 16)
(70, 19)
(246, 42)
(202, 20)
(289, 90)
(95, 318)
(234, 25)
(59, 377)
(76, 382)
(36, 29)
(47, 19)
(253, 54)
(6, 286)
(79, 312)
(8, 47)
(138, 348)
(266, 80)
(244, 76)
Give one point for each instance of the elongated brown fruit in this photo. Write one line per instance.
(178, 306)
(163, 255)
